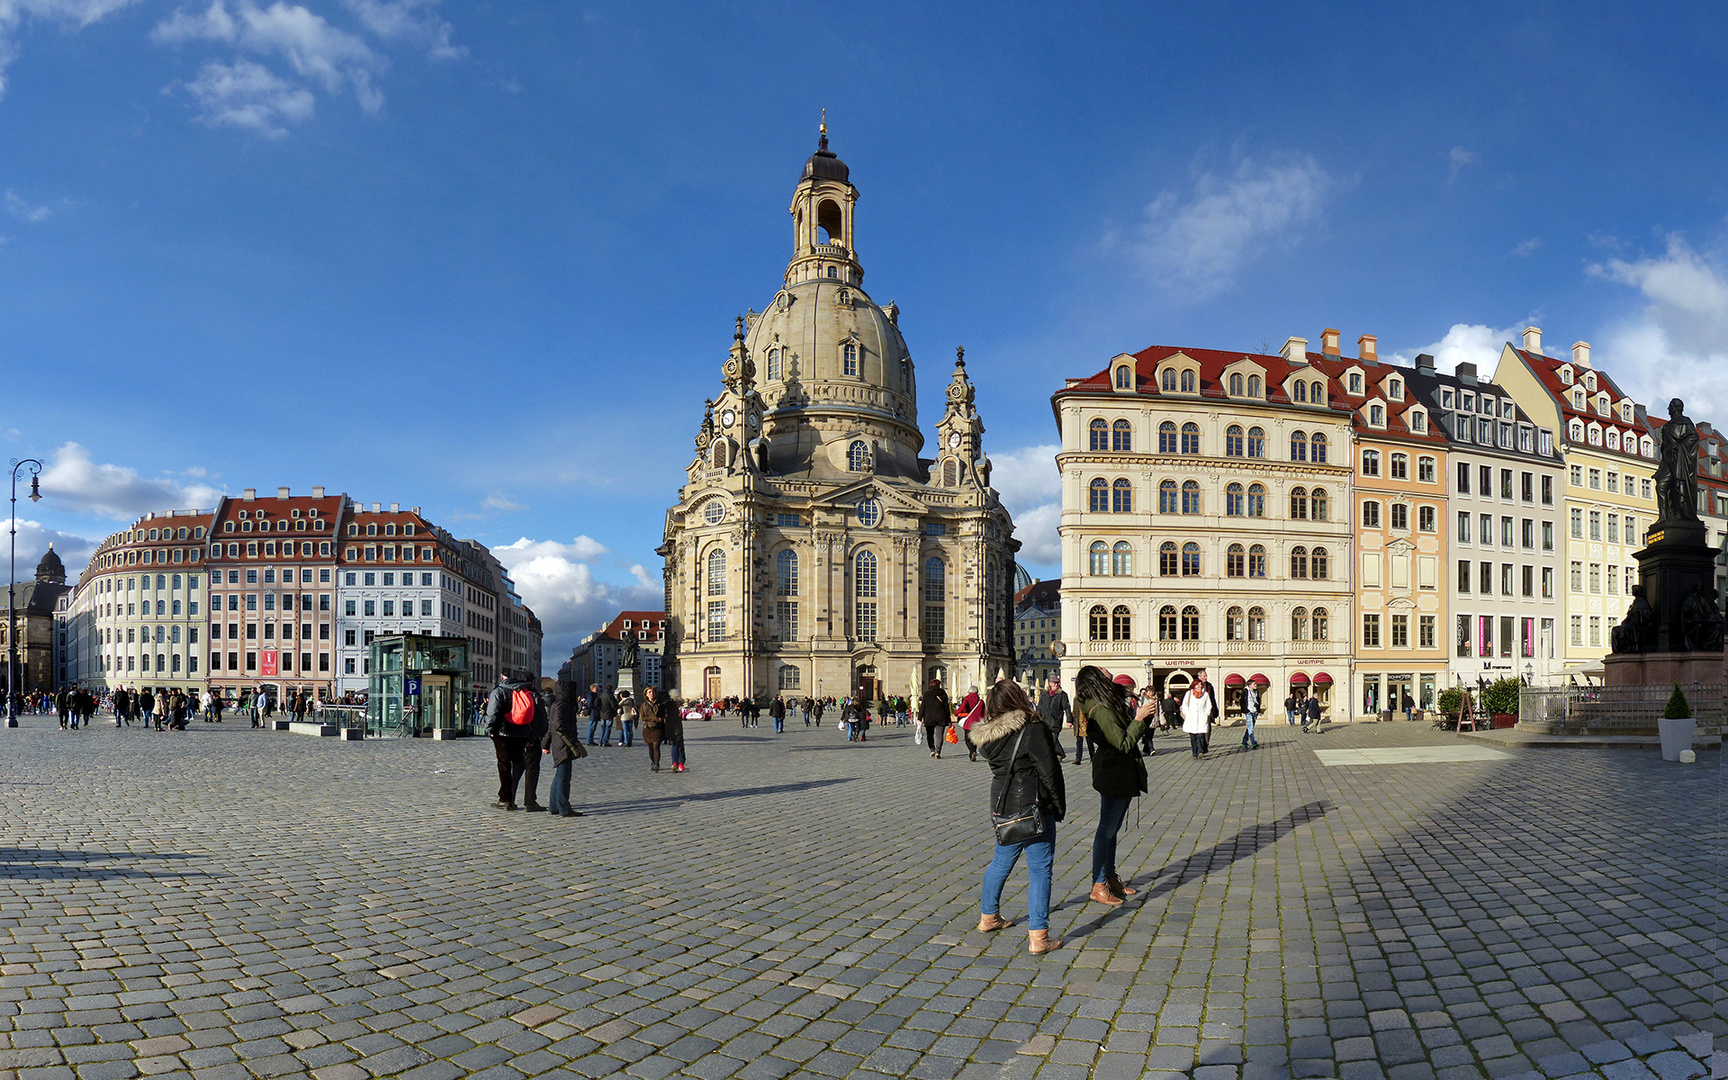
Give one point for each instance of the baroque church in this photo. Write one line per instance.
(813, 551)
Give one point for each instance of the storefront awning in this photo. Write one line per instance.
(1259, 679)
(1322, 679)
(1298, 679)
(1233, 680)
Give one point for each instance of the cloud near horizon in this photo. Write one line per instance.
(1678, 345)
(73, 481)
(557, 580)
(1031, 489)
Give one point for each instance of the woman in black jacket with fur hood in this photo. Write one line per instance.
(1022, 754)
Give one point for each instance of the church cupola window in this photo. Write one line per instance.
(773, 365)
(833, 271)
(857, 456)
(864, 594)
(717, 572)
(849, 359)
(950, 473)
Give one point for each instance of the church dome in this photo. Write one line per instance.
(51, 569)
(824, 164)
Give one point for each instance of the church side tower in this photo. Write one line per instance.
(812, 550)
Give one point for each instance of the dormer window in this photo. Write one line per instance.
(1377, 415)
(1590, 382)
(1299, 392)
(1418, 420)
(1236, 385)
(1253, 386)
(1355, 382)
(1626, 412)
(1446, 399)
(1395, 389)
(1188, 382)
(1167, 381)
(1578, 400)
(1566, 376)
(857, 456)
(1487, 405)
(1124, 377)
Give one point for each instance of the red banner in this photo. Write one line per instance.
(267, 660)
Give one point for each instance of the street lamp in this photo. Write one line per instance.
(1529, 674)
(12, 587)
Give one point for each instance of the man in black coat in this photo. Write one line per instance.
(934, 713)
(516, 746)
(1057, 712)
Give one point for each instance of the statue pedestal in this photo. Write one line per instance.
(627, 680)
(1663, 669)
(1676, 558)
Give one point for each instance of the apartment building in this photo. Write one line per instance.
(1037, 623)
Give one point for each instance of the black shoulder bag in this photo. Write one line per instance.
(1028, 824)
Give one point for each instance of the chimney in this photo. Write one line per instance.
(281, 493)
(1425, 363)
(250, 494)
(415, 510)
(1466, 373)
(395, 508)
(1580, 353)
(1329, 341)
(317, 493)
(1295, 350)
(1365, 348)
(377, 508)
(1533, 340)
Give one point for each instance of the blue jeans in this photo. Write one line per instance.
(677, 751)
(1112, 812)
(560, 802)
(627, 733)
(606, 731)
(780, 723)
(1248, 735)
(1040, 857)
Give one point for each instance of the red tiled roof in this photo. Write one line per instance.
(1212, 364)
(1374, 374)
(1547, 369)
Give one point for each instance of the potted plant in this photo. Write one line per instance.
(1500, 700)
(1451, 700)
(1677, 726)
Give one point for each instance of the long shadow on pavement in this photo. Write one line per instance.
(51, 863)
(709, 796)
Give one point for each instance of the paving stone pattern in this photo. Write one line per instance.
(229, 903)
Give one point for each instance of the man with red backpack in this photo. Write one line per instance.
(516, 721)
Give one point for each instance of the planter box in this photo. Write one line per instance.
(1501, 720)
(1677, 735)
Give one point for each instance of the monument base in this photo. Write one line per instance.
(627, 680)
(1663, 669)
(1676, 559)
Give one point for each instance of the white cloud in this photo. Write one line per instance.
(1678, 345)
(33, 541)
(73, 481)
(1031, 489)
(1458, 159)
(248, 96)
(412, 21)
(24, 211)
(75, 14)
(556, 580)
(1194, 245)
(1466, 342)
(498, 501)
(1527, 247)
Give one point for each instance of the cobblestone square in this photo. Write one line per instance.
(227, 902)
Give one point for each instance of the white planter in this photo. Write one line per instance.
(1677, 735)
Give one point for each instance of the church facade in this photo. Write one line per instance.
(813, 551)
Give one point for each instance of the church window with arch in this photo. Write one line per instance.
(1233, 443)
(849, 359)
(1317, 448)
(1190, 438)
(1298, 446)
(716, 572)
(857, 456)
(1167, 437)
(864, 595)
(1098, 624)
(935, 601)
(1167, 623)
(1257, 561)
(1191, 623)
(950, 473)
(774, 371)
(1256, 442)
(1190, 496)
(1256, 500)
(1191, 559)
(1168, 499)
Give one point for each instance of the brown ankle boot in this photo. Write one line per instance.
(1118, 888)
(1039, 942)
(990, 923)
(1101, 894)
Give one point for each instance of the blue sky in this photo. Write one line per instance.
(484, 259)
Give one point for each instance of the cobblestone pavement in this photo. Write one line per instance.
(227, 903)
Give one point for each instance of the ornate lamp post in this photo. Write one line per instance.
(12, 587)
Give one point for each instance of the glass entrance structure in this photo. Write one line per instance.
(418, 684)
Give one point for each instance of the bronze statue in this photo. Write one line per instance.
(632, 654)
(1701, 621)
(1635, 631)
(1677, 474)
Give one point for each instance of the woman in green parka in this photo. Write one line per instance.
(1114, 727)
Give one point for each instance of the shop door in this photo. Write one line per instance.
(437, 707)
(711, 684)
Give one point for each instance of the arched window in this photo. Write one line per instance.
(1100, 495)
(1167, 623)
(1235, 561)
(1233, 446)
(1316, 393)
(1122, 437)
(1301, 390)
(1256, 561)
(1167, 566)
(1298, 446)
(1188, 382)
(1167, 503)
(717, 572)
(1299, 504)
(773, 364)
(1254, 386)
(1320, 624)
(1121, 624)
(1256, 500)
(1256, 624)
(1377, 415)
(1319, 505)
(1124, 377)
(849, 359)
(864, 595)
(1167, 437)
(1299, 624)
(935, 581)
(857, 456)
(1235, 625)
(1299, 562)
(1317, 448)
(1168, 382)
(950, 473)
(1122, 559)
(1190, 438)
(1321, 564)
(1613, 438)
(1098, 562)
(786, 573)
(1256, 442)
(1400, 466)
(1100, 435)
(719, 457)
(1122, 497)
(1235, 386)
(1575, 430)
(1190, 559)
(1233, 500)
(1098, 624)
(1190, 496)
(1190, 623)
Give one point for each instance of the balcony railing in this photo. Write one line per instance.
(1111, 648)
(1181, 648)
(1247, 648)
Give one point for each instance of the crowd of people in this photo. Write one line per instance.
(160, 708)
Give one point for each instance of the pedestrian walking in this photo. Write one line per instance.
(1024, 779)
(602, 710)
(1199, 709)
(147, 706)
(1250, 713)
(1118, 771)
(653, 725)
(1311, 716)
(777, 711)
(934, 711)
(626, 706)
(1057, 712)
(970, 711)
(511, 710)
(1290, 704)
(673, 732)
(566, 749)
